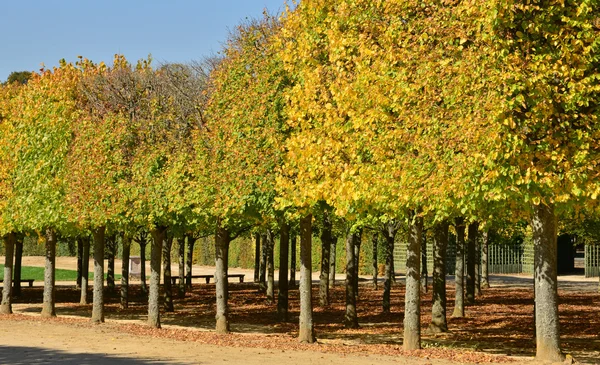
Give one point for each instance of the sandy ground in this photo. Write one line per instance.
(37, 342)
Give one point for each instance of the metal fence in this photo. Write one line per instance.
(592, 260)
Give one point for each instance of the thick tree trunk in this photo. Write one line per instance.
(390, 237)
(546, 296)
(326, 238)
(181, 272)
(166, 261)
(438, 310)
(306, 333)
(48, 305)
(9, 246)
(98, 296)
(158, 237)
(85, 270)
(125, 271)
(111, 244)
(374, 260)
(270, 245)
(351, 318)
(412, 311)
(257, 257)
(189, 261)
(424, 273)
(143, 244)
(485, 280)
(293, 250)
(222, 239)
(459, 280)
(262, 279)
(332, 259)
(471, 242)
(79, 263)
(283, 294)
(17, 268)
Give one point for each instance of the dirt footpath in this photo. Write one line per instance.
(39, 342)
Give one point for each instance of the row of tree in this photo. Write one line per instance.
(351, 115)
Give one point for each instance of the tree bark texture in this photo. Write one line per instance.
(374, 259)
(85, 270)
(306, 333)
(79, 263)
(293, 250)
(9, 247)
(546, 296)
(459, 280)
(485, 240)
(256, 257)
(17, 268)
(332, 259)
(438, 311)
(478, 267)
(98, 296)
(283, 293)
(326, 238)
(167, 285)
(48, 305)
(424, 273)
(351, 318)
(471, 242)
(222, 239)
(270, 246)
(111, 245)
(158, 237)
(181, 256)
(189, 261)
(125, 271)
(390, 236)
(412, 311)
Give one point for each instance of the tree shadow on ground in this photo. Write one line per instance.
(19, 355)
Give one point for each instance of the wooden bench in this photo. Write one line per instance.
(30, 281)
(208, 277)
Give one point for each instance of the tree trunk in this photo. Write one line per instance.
(257, 257)
(262, 280)
(181, 252)
(293, 261)
(375, 241)
(222, 239)
(390, 237)
(125, 271)
(477, 268)
(546, 296)
(98, 296)
(79, 263)
(143, 244)
(326, 238)
(351, 318)
(17, 268)
(270, 245)
(111, 244)
(412, 311)
(306, 333)
(48, 306)
(438, 310)
(485, 280)
(283, 294)
(357, 243)
(85, 270)
(459, 280)
(332, 260)
(9, 246)
(471, 242)
(166, 261)
(424, 273)
(188, 263)
(158, 236)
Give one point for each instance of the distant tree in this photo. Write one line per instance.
(21, 77)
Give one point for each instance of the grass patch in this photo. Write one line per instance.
(37, 273)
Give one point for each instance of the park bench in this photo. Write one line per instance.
(208, 277)
(30, 281)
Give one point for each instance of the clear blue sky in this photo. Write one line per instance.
(35, 32)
